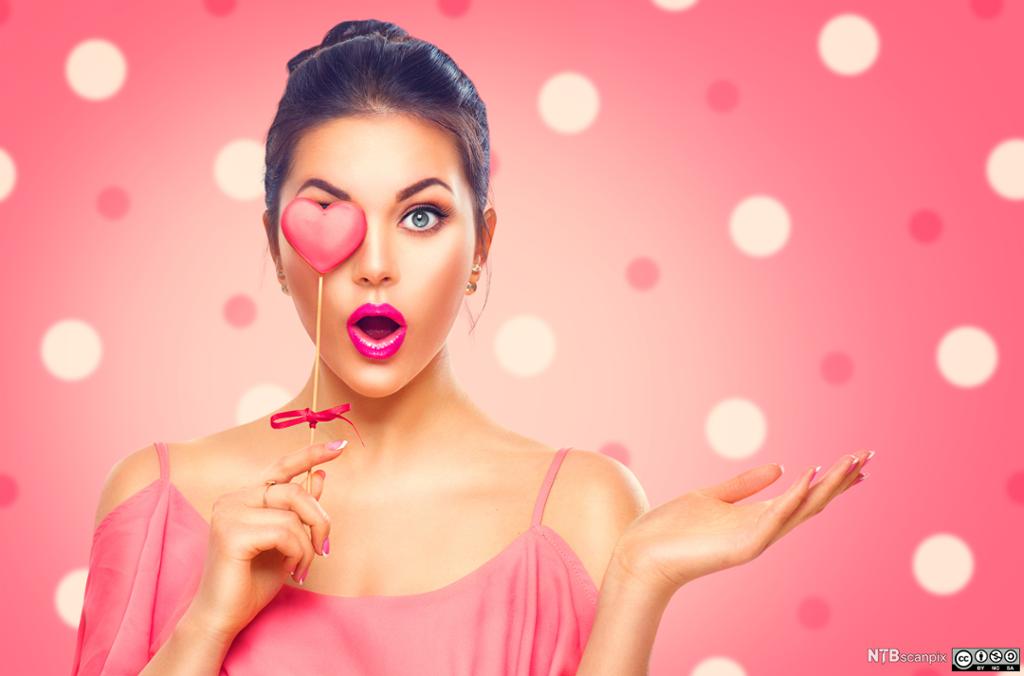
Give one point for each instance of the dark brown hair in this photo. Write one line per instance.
(371, 67)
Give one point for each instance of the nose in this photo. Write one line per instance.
(373, 263)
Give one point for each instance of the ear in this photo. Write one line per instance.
(490, 225)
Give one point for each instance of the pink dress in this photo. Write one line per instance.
(527, 611)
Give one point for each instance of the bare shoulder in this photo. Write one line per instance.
(592, 501)
(126, 477)
(194, 466)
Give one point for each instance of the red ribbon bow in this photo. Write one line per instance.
(289, 418)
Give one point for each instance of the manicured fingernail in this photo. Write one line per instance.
(336, 444)
(782, 469)
(853, 465)
(870, 453)
(302, 577)
(860, 479)
(326, 547)
(815, 472)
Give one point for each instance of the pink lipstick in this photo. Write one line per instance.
(377, 331)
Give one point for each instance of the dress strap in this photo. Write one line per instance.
(545, 488)
(165, 462)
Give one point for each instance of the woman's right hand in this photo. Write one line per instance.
(253, 549)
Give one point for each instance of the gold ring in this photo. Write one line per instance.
(268, 483)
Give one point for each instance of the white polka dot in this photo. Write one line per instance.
(943, 563)
(848, 44)
(69, 596)
(674, 5)
(568, 102)
(238, 169)
(95, 69)
(718, 666)
(71, 349)
(8, 174)
(1005, 169)
(759, 226)
(525, 345)
(735, 428)
(258, 401)
(967, 356)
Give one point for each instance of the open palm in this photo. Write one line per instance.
(704, 531)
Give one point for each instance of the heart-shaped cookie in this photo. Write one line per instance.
(323, 237)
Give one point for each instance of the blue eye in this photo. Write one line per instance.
(421, 224)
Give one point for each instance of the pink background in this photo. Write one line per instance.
(617, 237)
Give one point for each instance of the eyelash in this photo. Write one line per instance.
(442, 216)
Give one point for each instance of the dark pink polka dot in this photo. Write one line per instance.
(925, 226)
(219, 7)
(617, 451)
(8, 490)
(836, 368)
(1015, 487)
(987, 9)
(5, 11)
(112, 202)
(813, 612)
(723, 96)
(240, 311)
(453, 8)
(494, 163)
(642, 273)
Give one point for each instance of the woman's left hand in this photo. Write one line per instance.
(703, 531)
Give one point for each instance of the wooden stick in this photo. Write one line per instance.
(316, 374)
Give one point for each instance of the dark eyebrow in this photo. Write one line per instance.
(403, 194)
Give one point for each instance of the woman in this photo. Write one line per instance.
(443, 545)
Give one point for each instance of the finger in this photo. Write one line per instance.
(280, 534)
(290, 465)
(856, 475)
(745, 484)
(292, 496)
(317, 482)
(783, 506)
(278, 522)
(819, 494)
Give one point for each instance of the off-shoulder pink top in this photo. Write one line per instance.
(527, 611)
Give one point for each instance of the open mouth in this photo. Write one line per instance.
(377, 327)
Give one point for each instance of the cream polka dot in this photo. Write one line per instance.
(96, 69)
(735, 428)
(718, 666)
(70, 596)
(943, 563)
(674, 5)
(8, 174)
(967, 356)
(71, 349)
(1005, 169)
(569, 102)
(759, 226)
(259, 400)
(525, 345)
(848, 44)
(238, 169)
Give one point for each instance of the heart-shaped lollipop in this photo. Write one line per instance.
(323, 237)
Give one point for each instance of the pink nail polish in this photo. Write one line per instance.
(853, 465)
(860, 479)
(326, 547)
(815, 472)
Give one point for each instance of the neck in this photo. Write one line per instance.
(429, 411)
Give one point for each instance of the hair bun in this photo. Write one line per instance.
(347, 30)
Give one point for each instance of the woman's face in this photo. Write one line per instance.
(412, 258)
